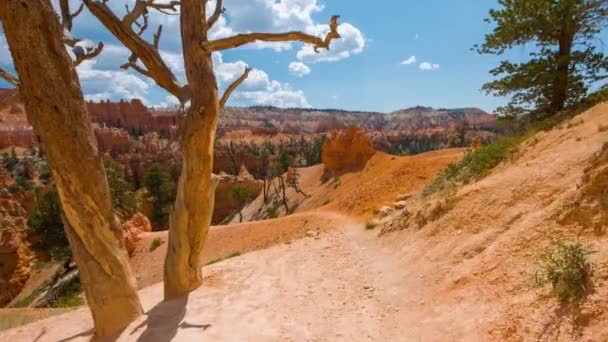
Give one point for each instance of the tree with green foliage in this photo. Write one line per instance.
(162, 191)
(563, 60)
(45, 221)
(123, 197)
(241, 195)
(10, 161)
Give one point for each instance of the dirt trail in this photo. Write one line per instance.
(340, 285)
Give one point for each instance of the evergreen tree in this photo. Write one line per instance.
(45, 221)
(564, 60)
(123, 197)
(162, 191)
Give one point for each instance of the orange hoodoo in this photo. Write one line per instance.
(346, 150)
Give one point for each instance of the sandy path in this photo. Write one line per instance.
(341, 285)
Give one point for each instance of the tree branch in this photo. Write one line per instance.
(219, 9)
(141, 8)
(159, 31)
(67, 16)
(12, 80)
(132, 63)
(155, 66)
(247, 38)
(233, 86)
(91, 55)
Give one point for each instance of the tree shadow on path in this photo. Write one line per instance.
(164, 320)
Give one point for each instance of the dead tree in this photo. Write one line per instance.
(193, 207)
(50, 90)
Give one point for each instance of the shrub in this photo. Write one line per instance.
(68, 295)
(565, 266)
(272, 211)
(475, 164)
(155, 244)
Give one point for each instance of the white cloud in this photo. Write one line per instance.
(410, 60)
(351, 43)
(426, 66)
(110, 84)
(299, 69)
(258, 88)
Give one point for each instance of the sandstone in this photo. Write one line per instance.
(225, 205)
(346, 150)
(385, 211)
(403, 197)
(138, 224)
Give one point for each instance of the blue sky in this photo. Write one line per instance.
(364, 71)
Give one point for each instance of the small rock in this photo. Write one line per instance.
(399, 205)
(311, 233)
(385, 211)
(403, 197)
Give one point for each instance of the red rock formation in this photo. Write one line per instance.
(133, 116)
(138, 224)
(16, 255)
(16, 135)
(114, 140)
(346, 150)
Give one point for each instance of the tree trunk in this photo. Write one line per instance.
(265, 190)
(283, 194)
(562, 71)
(194, 204)
(55, 106)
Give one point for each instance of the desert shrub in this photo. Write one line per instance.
(155, 244)
(565, 266)
(475, 164)
(272, 211)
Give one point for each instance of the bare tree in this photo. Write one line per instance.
(193, 207)
(48, 86)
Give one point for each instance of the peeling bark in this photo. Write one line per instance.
(50, 90)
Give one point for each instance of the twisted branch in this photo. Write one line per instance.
(247, 38)
(219, 9)
(233, 86)
(90, 55)
(141, 8)
(148, 54)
